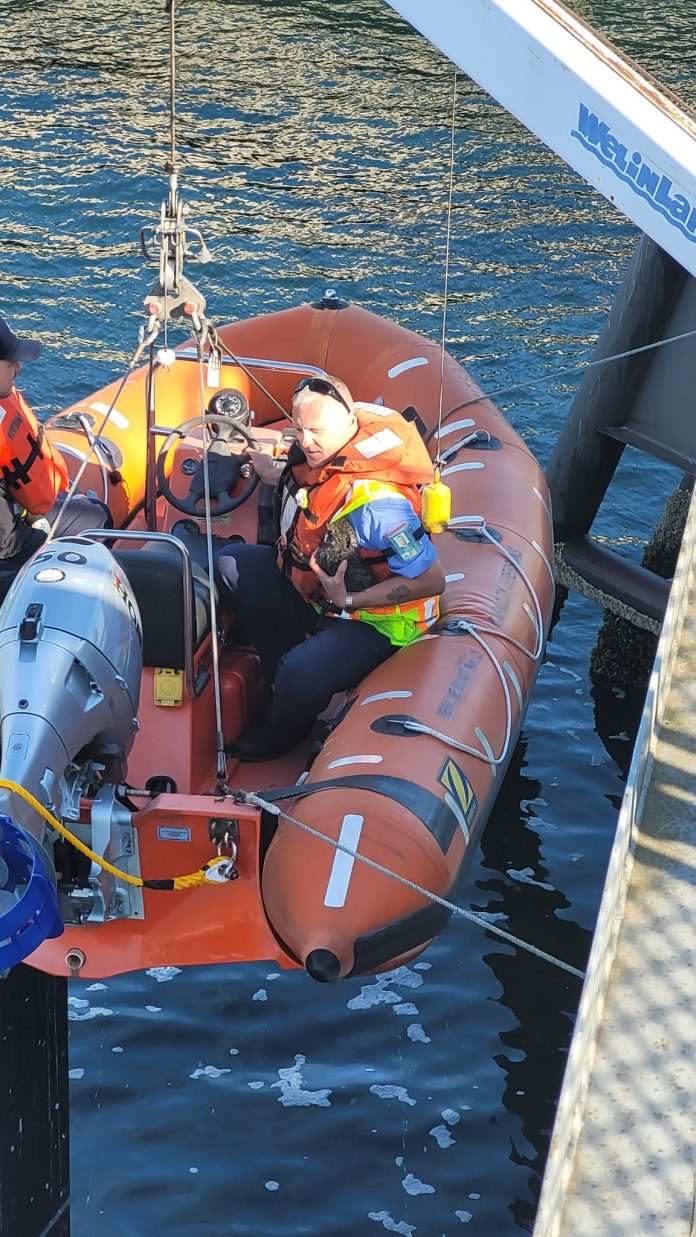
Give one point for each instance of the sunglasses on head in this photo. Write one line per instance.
(322, 387)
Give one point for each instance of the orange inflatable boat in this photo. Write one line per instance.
(326, 857)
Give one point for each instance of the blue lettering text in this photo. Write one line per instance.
(652, 186)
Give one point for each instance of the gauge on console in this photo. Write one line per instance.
(185, 526)
(231, 404)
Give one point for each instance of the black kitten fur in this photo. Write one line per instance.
(340, 543)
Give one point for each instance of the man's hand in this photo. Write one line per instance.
(265, 465)
(333, 586)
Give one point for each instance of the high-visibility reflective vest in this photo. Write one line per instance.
(386, 456)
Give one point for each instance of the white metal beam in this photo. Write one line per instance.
(613, 124)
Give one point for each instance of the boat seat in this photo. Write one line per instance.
(155, 573)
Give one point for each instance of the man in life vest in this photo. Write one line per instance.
(32, 471)
(316, 633)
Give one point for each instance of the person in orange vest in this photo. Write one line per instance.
(32, 471)
(358, 468)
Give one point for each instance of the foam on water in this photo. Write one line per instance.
(293, 1094)
(391, 1225)
(392, 1092)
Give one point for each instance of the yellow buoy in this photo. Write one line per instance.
(437, 505)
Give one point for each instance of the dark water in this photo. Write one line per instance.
(314, 141)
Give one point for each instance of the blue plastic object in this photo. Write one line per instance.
(29, 911)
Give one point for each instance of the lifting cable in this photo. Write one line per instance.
(95, 441)
(254, 800)
(170, 8)
(147, 339)
(580, 367)
(220, 758)
(223, 347)
(437, 462)
(203, 332)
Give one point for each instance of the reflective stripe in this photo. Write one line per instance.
(486, 747)
(470, 464)
(400, 625)
(514, 680)
(395, 695)
(377, 444)
(117, 417)
(532, 618)
(354, 760)
(541, 554)
(342, 868)
(387, 619)
(542, 500)
(414, 363)
(362, 493)
(455, 808)
(377, 410)
(455, 425)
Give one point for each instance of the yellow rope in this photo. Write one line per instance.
(177, 882)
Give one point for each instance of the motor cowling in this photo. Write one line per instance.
(70, 671)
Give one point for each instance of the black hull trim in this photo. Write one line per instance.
(400, 937)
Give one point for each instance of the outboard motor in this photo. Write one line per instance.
(70, 671)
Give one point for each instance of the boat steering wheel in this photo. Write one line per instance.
(224, 466)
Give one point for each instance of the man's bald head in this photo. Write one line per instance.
(324, 416)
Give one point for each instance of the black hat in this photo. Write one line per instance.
(12, 348)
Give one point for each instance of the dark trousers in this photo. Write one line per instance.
(78, 515)
(306, 656)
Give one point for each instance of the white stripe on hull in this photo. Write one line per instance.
(342, 867)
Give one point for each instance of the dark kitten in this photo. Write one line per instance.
(340, 543)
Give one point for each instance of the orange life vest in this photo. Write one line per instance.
(386, 455)
(33, 471)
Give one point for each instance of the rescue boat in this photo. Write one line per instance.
(345, 855)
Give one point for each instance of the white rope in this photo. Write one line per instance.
(250, 797)
(474, 630)
(480, 520)
(488, 757)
